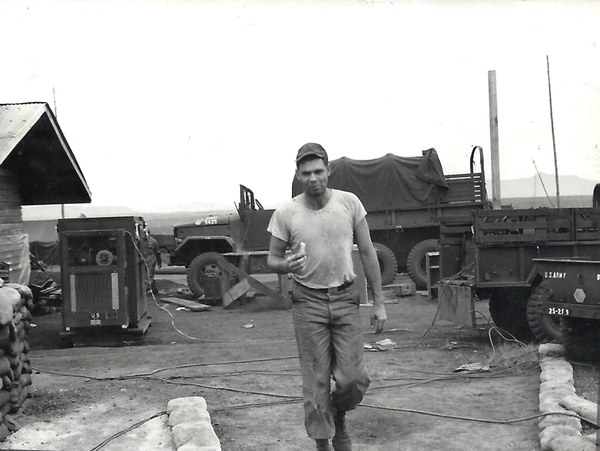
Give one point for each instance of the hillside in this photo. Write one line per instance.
(531, 187)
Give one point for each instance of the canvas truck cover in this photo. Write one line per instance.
(390, 182)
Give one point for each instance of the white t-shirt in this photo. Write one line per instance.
(328, 234)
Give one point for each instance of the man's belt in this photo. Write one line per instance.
(330, 290)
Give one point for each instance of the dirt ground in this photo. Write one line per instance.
(245, 365)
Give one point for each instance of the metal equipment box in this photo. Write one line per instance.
(104, 275)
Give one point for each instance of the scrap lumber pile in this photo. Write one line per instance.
(15, 368)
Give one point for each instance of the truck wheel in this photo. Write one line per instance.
(580, 336)
(416, 261)
(508, 310)
(543, 326)
(203, 264)
(387, 263)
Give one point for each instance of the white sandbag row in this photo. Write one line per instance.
(15, 368)
(559, 432)
(190, 425)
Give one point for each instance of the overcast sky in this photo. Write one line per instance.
(169, 102)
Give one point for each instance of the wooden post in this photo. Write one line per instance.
(494, 141)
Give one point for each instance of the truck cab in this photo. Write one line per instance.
(235, 232)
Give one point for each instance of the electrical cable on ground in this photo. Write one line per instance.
(125, 431)
(188, 365)
(479, 420)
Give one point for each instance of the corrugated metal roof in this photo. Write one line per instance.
(32, 130)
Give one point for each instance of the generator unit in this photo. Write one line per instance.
(104, 275)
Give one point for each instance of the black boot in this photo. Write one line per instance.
(341, 441)
(322, 444)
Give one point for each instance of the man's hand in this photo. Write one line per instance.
(296, 262)
(378, 317)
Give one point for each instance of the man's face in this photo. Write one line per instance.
(313, 175)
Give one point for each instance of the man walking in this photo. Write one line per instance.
(320, 227)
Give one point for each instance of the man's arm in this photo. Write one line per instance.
(279, 263)
(368, 257)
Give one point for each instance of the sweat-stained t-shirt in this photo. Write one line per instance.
(328, 234)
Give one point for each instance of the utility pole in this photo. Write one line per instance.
(553, 138)
(62, 206)
(494, 141)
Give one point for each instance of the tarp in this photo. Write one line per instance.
(14, 251)
(390, 182)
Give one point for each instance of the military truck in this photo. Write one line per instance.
(239, 236)
(492, 255)
(568, 289)
(404, 197)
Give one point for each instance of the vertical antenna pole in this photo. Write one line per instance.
(553, 137)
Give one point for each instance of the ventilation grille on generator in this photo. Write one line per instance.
(94, 292)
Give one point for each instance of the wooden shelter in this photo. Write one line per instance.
(37, 167)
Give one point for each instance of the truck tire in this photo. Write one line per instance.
(508, 309)
(580, 337)
(543, 326)
(388, 265)
(415, 263)
(202, 264)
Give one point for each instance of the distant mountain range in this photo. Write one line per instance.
(569, 185)
(520, 193)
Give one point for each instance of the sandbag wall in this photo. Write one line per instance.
(15, 369)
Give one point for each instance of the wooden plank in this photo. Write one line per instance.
(511, 226)
(235, 292)
(510, 238)
(455, 230)
(190, 305)
(258, 286)
(588, 235)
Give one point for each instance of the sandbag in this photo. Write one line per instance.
(587, 409)
(18, 370)
(14, 361)
(24, 380)
(14, 394)
(7, 384)
(553, 420)
(17, 317)
(548, 435)
(4, 365)
(14, 349)
(4, 432)
(11, 423)
(6, 310)
(572, 443)
(26, 368)
(4, 335)
(4, 397)
(10, 296)
(25, 313)
(23, 290)
(4, 409)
